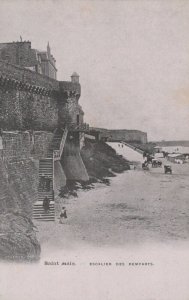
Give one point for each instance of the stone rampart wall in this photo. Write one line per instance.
(23, 145)
(41, 143)
(29, 100)
(21, 110)
(25, 75)
(69, 112)
(69, 86)
(129, 136)
(135, 136)
(16, 145)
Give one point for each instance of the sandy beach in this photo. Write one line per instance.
(138, 207)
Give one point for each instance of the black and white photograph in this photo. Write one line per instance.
(94, 149)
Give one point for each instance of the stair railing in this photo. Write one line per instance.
(58, 153)
(63, 140)
(133, 147)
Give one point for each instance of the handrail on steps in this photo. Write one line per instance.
(58, 153)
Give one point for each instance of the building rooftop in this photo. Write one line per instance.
(75, 74)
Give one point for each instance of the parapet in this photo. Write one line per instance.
(72, 88)
(23, 75)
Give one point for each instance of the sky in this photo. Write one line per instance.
(132, 57)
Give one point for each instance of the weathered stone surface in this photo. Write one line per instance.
(42, 143)
(101, 160)
(18, 191)
(133, 136)
(17, 238)
(25, 75)
(20, 110)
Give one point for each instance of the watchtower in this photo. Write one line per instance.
(75, 78)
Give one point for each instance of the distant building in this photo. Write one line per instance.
(117, 135)
(21, 54)
(176, 157)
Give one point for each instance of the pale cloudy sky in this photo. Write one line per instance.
(132, 57)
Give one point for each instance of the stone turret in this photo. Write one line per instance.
(75, 78)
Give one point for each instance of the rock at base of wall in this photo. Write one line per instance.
(101, 160)
(18, 240)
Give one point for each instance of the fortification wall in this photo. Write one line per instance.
(41, 143)
(70, 112)
(29, 100)
(132, 136)
(20, 110)
(27, 76)
(24, 145)
(128, 136)
(16, 145)
(73, 88)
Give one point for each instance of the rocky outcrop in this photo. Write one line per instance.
(101, 160)
(18, 240)
(17, 193)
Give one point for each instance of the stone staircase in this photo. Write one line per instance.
(41, 215)
(46, 170)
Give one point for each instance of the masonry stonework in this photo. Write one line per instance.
(20, 110)
(117, 135)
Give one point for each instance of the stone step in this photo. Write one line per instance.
(49, 166)
(45, 193)
(39, 207)
(39, 202)
(46, 174)
(45, 160)
(41, 198)
(48, 170)
(45, 164)
(41, 215)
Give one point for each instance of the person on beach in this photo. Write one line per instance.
(63, 215)
(144, 154)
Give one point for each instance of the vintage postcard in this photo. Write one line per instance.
(94, 150)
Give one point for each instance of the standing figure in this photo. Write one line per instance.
(63, 215)
(46, 204)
